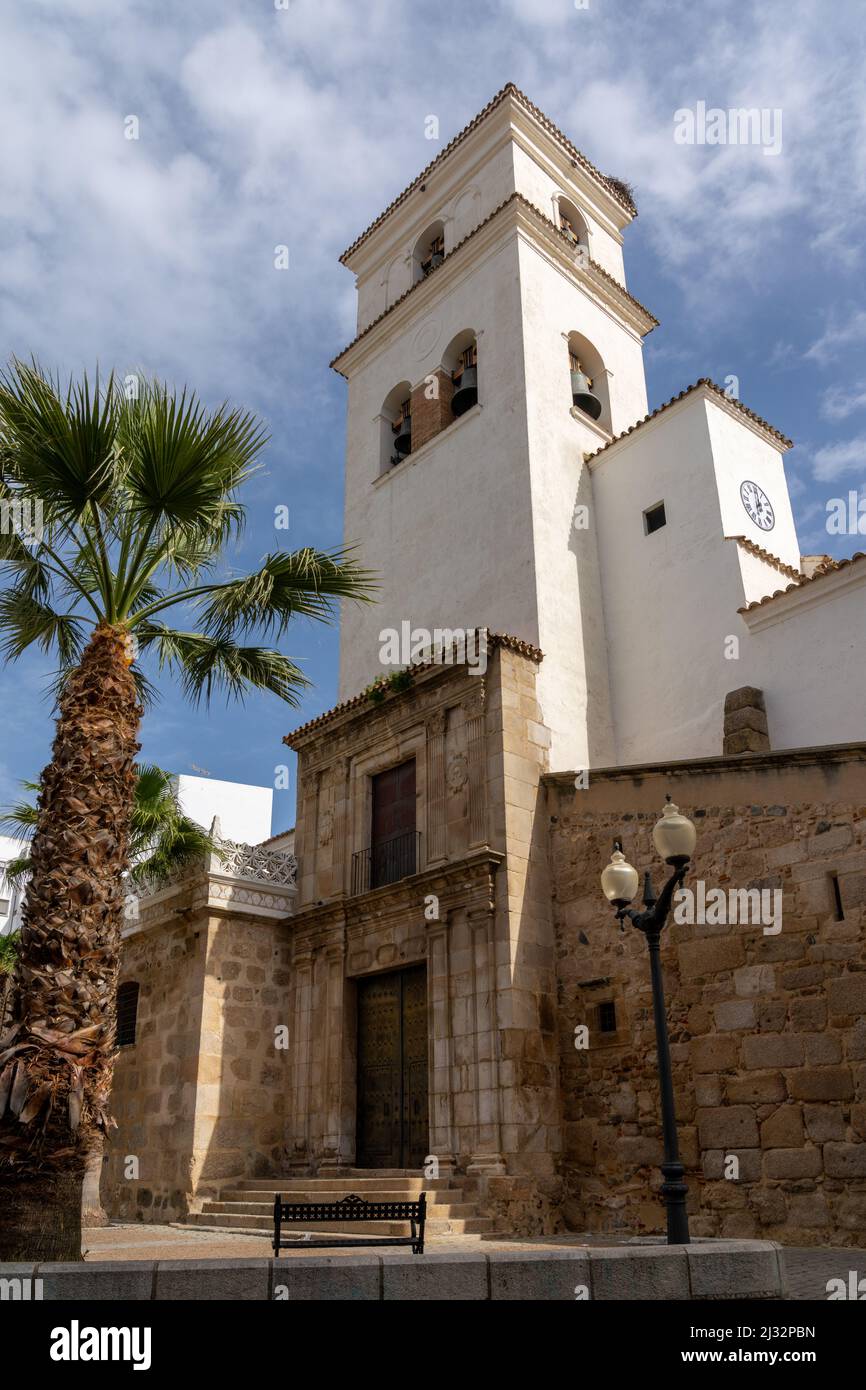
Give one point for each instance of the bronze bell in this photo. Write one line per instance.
(403, 437)
(466, 394)
(582, 395)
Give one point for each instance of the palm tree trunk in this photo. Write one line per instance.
(57, 1059)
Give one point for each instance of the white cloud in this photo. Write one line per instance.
(837, 460)
(839, 402)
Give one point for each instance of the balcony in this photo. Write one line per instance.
(386, 862)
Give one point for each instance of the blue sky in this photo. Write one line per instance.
(260, 126)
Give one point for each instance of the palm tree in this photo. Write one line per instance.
(138, 496)
(161, 839)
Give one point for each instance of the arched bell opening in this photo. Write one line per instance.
(429, 251)
(589, 386)
(396, 427)
(461, 360)
(572, 223)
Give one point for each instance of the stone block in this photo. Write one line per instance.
(639, 1273)
(783, 1129)
(441, 1277)
(734, 1270)
(728, 1127)
(538, 1276)
(715, 1162)
(847, 994)
(101, 1280)
(710, 956)
(204, 1280)
(744, 697)
(756, 1088)
(824, 1122)
(754, 979)
(714, 1054)
(764, 1050)
(345, 1278)
(735, 1013)
(792, 1163)
(845, 1160)
(808, 1210)
(822, 1083)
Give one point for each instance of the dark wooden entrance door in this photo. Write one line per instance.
(392, 1070)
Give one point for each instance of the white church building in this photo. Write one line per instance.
(433, 935)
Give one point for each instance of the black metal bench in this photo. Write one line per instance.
(350, 1208)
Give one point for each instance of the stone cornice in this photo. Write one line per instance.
(588, 273)
(832, 753)
(450, 882)
(424, 672)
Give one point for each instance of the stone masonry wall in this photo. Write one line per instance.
(153, 1092)
(768, 1031)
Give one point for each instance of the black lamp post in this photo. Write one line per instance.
(674, 837)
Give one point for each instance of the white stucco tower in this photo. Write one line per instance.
(504, 255)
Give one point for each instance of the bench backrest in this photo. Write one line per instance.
(350, 1208)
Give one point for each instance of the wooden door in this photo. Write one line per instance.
(392, 1127)
(392, 832)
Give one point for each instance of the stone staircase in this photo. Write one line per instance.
(248, 1206)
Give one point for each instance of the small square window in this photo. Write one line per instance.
(654, 518)
(607, 1017)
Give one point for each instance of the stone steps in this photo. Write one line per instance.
(307, 1194)
(478, 1225)
(247, 1205)
(441, 1211)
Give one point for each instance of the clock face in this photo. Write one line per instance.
(757, 504)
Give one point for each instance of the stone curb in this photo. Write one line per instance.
(747, 1269)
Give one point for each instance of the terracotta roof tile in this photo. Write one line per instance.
(508, 90)
(494, 639)
(767, 556)
(703, 381)
(822, 573)
(541, 217)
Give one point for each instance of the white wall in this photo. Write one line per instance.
(449, 531)
(808, 655)
(244, 811)
(740, 454)
(671, 598)
(11, 899)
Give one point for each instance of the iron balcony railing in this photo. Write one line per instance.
(386, 862)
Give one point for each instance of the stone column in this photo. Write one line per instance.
(487, 1155)
(441, 1080)
(436, 844)
(299, 1141)
(474, 708)
(331, 1019)
(340, 829)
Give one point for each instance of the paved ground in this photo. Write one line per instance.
(808, 1269)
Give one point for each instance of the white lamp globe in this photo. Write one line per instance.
(674, 836)
(619, 880)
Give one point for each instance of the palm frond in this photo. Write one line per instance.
(205, 663)
(304, 583)
(59, 446)
(24, 620)
(187, 460)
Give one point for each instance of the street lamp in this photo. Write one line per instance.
(674, 837)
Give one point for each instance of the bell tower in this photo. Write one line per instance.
(496, 345)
